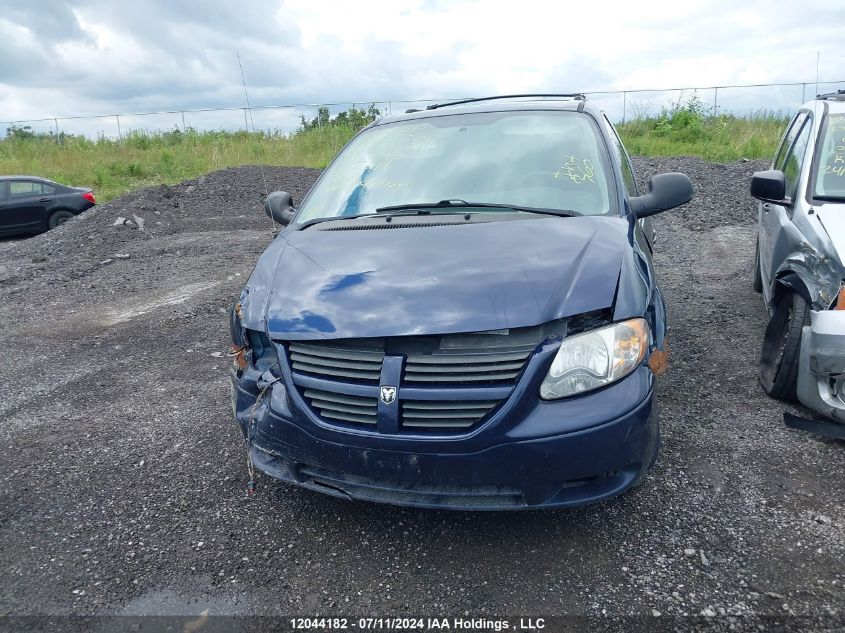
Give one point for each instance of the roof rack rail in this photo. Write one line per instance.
(577, 96)
(839, 95)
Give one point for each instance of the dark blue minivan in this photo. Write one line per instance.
(462, 313)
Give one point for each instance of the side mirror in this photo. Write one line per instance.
(769, 185)
(279, 206)
(665, 191)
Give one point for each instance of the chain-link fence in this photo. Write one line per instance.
(621, 105)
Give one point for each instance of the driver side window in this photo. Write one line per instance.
(788, 139)
(795, 159)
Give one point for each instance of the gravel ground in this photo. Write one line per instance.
(123, 480)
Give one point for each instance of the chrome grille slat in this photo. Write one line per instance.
(439, 414)
(438, 404)
(324, 405)
(332, 371)
(339, 398)
(490, 377)
(457, 414)
(336, 352)
(334, 362)
(349, 417)
(343, 407)
(457, 369)
(463, 367)
(441, 424)
(445, 359)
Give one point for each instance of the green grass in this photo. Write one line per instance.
(113, 167)
(140, 159)
(686, 129)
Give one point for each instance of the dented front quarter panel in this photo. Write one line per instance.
(813, 274)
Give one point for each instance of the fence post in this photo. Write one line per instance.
(119, 135)
(715, 100)
(56, 121)
(624, 105)
(184, 129)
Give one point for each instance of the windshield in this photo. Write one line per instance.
(549, 160)
(830, 176)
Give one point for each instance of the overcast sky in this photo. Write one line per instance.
(94, 56)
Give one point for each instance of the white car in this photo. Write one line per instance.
(799, 262)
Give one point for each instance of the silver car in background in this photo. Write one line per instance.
(799, 260)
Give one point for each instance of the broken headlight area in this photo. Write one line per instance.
(262, 352)
(250, 348)
(596, 358)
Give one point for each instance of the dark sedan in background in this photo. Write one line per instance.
(29, 204)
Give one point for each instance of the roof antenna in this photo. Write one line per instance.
(249, 109)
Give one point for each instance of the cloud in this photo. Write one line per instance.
(96, 56)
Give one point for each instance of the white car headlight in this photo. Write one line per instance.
(599, 357)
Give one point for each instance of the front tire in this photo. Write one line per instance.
(782, 345)
(59, 217)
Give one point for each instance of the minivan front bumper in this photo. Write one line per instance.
(538, 456)
(821, 364)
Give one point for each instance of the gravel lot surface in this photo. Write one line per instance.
(123, 478)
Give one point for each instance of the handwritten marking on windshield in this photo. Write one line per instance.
(577, 171)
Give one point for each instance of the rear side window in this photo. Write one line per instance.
(795, 159)
(23, 188)
(789, 138)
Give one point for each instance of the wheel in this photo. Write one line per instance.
(651, 451)
(758, 277)
(782, 344)
(59, 217)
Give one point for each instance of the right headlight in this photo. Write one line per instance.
(596, 358)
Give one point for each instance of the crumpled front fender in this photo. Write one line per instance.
(813, 275)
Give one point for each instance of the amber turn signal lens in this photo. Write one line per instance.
(840, 300)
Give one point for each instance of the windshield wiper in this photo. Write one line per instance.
(308, 223)
(830, 198)
(425, 207)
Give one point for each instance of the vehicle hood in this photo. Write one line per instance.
(471, 277)
(832, 217)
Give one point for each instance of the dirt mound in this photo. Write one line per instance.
(226, 200)
(721, 190)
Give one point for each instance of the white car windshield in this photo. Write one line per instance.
(830, 175)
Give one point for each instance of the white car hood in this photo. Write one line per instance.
(832, 217)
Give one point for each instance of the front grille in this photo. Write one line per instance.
(343, 407)
(438, 366)
(464, 368)
(336, 361)
(433, 414)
